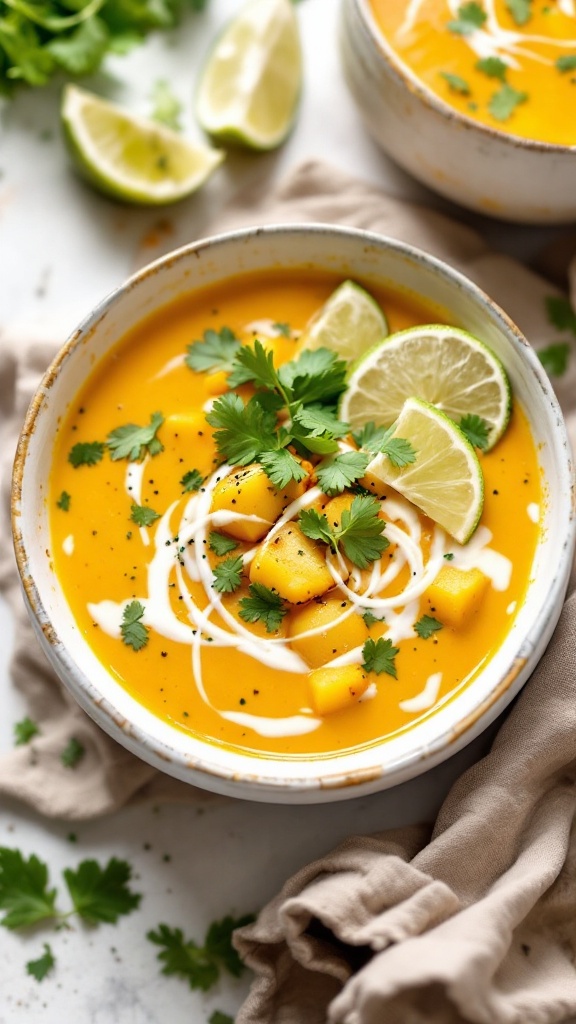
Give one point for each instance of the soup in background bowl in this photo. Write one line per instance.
(201, 601)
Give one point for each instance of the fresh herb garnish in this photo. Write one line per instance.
(192, 480)
(456, 84)
(504, 102)
(379, 440)
(519, 10)
(220, 1018)
(64, 501)
(471, 16)
(555, 358)
(133, 442)
(143, 515)
(449, 556)
(282, 467)
(220, 544)
(166, 108)
(370, 619)
(567, 62)
(73, 753)
(427, 626)
(337, 472)
(101, 894)
(493, 67)
(24, 731)
(379, 657)
(263, 605)
(216, 351)
(199, 965)
(360, 531)
(476, 430)
(560, 313)
(134, 632)
(24, 892)
(228, 575)
(41, 967)
(86, 453)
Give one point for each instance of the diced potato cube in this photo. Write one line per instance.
(336, 688)
(455, 595)
(333, 640)
(292, 565)
(250, 492)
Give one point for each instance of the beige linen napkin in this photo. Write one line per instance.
(473, 924)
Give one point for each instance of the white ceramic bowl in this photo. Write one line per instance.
(490, 171)
(347, 253)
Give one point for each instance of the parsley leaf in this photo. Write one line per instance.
(64, 501)
(379, 656)
(263, 605)
(426, 626)
(218, 942)
(23, 889)
(73, 753)
(555, 358)
(86, 453)
(520, 10)
(24, 731)
(476, 430)
(216, 351)
(166, 106)
(220, 544)
(361, 531)
(339, 471)
(143, 515)
(101, 894)
(493, 67)
(40, 968)
(282, 467)
(316, 526)
(200, 965)
(504, 102)
(471, 16)
(254, 365)
(397, 449)
(242, 431)
(316, 376)
(455, 83)
(134, 632)
(560, 313)
(133, 442)
(567, 62)
(192, 480)
(317, 420)
(228, 575)
(371, 437)
(370, 619)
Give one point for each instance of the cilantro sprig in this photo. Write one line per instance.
(471, 16)
(380, 440)
(360, 532)
(132, 630)
(43, 965)
(25, 730)
(555, 358)
(133, 442)
(476, 429)
(426, 626)
(214, 351)
(200, 965)
(228, 575)
(143, 515)
(379, 656)
(504, 102)
(263, 605)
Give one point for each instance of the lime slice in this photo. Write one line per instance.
(130, 158)
(349, 323)
(445, 480)
(442, 365)
(250, 87)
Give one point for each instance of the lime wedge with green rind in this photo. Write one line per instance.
(349, 323)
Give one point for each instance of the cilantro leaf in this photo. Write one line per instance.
(316, 376)
(471, 16)
(567, 62)
(166, 106)
(86, 453)
(24, 731)
(282, 467)
(504, 102)
(316, 526)
(397, 449)
(254, 365)
(185, 959)
(379, 657)
(134, 632)
(220, 544)
(263, 605)
(361, 531)
(371, 437)
(216, 351)
(133, 442)
(370, 619)
(242, 431)
(560, 313)
(228, 575)
(339, 471)
(101, 894)
(555, 358)
(73, 753)
(494, 67)
(143, 515)
(82, 51)
(449, 556)
(23, 889)
(520, 10)
(318, 420)
(426, 626)
(455, 83)
(476, 430)
(64, 501)
(220, 1018)
(192, 480)
(40, 968)
(218, 942)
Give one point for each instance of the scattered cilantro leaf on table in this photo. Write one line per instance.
(192, 481)
(228, 575)
(456, 83)
(555, 358)
(475, 429)
(263, 605)
(471, 16)
(64, 501)
(72, 753)
(25, 730)
(220, 544)
(426, 626)
(379, 657)
(504, 102)
(560, 313)
(200, 965)
(133, 442)
(214, 351)
(220, 1018)
(24, 892)
(133, 631)
(101, 894)
(567, 62)
(41, 967)
(86, 453)
(143, 515)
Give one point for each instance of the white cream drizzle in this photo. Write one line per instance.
(533, 511)
(68, 544)
(173, 364)
(427, 698)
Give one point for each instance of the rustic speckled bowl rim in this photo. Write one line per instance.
(327, 785)
(415, 85)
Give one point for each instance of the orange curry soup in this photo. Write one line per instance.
(187, 654)
(510, 66)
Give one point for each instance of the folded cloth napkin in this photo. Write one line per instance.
(472, 923)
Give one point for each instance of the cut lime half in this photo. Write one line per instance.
(445, 480)
(349, 323)
(130, 158)
(250, 87)
(445, 366)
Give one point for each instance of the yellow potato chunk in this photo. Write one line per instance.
(335, 507)
(336, 688)
(250, 492)
(292, 565)
(333, 640)
(455, 595)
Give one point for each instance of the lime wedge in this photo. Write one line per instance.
(442, 365)
(349, 323)
(445, 480)
(130, 158)
(250, 86)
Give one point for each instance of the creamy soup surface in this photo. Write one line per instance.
(141, 584)
(510, 64)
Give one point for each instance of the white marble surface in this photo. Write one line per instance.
(61, 249)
